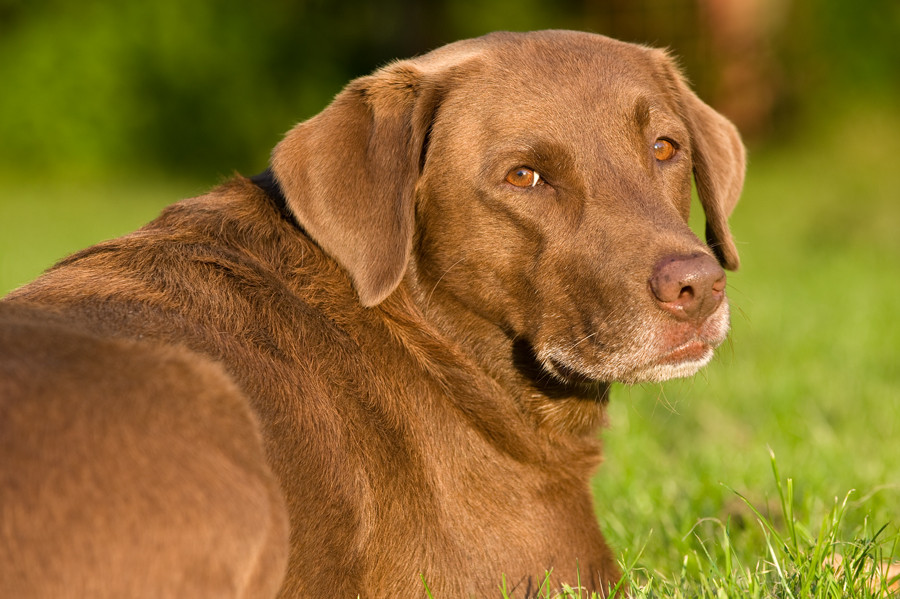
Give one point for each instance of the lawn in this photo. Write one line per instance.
(687, 494)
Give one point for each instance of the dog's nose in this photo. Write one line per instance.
(689, 287)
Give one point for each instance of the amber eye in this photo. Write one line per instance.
(664, 149)
(523, 177)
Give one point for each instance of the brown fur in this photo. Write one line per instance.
(424, 364)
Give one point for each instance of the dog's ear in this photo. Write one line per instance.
(349, 174)
(719, 163)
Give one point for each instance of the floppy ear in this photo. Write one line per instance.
(719, 164)
(349, 173)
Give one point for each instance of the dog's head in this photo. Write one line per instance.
(540, 182)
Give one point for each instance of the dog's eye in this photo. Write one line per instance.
(523, 177)
(664, 149)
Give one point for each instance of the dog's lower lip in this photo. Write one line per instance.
(687, 352)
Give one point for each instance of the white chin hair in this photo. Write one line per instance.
(657, 373)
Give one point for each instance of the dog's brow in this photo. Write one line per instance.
(543, 152)
(647, 113)
(642, 113)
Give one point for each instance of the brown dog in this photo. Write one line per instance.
(384, 360)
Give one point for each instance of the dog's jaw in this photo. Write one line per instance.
(667, 359)
(661, 350)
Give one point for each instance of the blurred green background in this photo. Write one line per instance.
(196, 89)
(110, 110)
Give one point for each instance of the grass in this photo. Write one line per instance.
(796, 562)
(833, 563)
(690, 496)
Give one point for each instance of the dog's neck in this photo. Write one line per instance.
(268, 183)
(552, 405)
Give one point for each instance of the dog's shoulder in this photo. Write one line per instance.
(225, 274)
(229, 252)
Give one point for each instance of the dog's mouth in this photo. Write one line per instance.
(683, 352)
(681, 361)
(694, 350)
(655, 353)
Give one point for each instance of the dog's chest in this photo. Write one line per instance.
(456, 510)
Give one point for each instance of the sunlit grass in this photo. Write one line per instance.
(796, 558)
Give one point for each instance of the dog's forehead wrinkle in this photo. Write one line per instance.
(642, 110)
(535, 151)
(589, 129)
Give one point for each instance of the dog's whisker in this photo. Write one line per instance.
(441, 278)
(580, 341)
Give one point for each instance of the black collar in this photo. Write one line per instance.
(268, 183)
